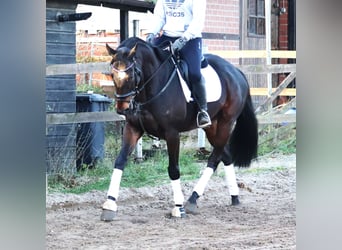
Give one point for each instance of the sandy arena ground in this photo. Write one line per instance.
(266, 218)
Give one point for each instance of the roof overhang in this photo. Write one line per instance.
(128, 5)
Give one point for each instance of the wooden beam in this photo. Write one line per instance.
(129, 5)
(254, 53)
(78, 68)
(280, 118)
(110, 116)
(263, 69)
(264, 91)
(282, 86)
(123, 25)
(83, 117)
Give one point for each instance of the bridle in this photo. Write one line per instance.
(135, 106)
(136, 74)
(137, 77)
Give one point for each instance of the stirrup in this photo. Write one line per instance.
(206, 124)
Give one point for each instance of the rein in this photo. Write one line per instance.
(153, 98)
(154, 74)
(166, 85)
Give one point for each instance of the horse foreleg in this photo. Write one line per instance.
(130, 138)
(110, 208)
(178, 197)
(172, 141)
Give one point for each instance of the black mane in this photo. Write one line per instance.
(159, 51)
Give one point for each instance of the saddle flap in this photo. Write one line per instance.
(212, 84)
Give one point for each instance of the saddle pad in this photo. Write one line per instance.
(212, 85)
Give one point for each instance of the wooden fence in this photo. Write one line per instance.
(103, 67)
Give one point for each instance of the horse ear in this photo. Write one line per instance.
(110, 50)
(132, 51)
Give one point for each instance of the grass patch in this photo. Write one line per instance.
(277, 140)
(256, 171)
(151, 172)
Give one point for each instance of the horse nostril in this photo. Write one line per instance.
(121, 107)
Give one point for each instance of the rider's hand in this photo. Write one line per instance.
(150, 37)
(178, 44)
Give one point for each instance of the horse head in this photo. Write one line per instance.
(135, 64)
(126, 75)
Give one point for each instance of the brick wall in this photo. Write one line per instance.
(283, 30)
(282, 45)
(223, 17)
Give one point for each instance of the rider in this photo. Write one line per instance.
(182, 22)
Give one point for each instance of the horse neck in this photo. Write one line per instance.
(155, 74)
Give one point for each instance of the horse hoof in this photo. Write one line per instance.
(108, 215)
(191, 208)
(235, 200)
(178, 212)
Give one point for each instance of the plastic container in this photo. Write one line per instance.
(90, 137)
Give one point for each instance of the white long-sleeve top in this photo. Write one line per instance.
(179, 18)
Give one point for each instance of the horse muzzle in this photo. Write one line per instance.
(122, 107)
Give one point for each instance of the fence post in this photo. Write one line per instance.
(200, 138)
(268, 45)
(138, 150)
(138, 147)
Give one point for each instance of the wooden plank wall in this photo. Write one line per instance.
(60, 89)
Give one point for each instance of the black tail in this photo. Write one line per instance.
(243, 143)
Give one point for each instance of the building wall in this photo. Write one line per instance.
(283, 44)
(60, 90)
(223, 19)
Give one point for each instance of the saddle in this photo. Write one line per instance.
(184, 69)
(212, 81)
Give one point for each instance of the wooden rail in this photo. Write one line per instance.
(111, 116)
(254, 53)
(83, 117)
(61, 69)
(79, 68)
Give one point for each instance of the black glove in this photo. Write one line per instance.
(150, 37)
(178, 44)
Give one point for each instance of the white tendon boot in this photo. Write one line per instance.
(231, 183)
(110, 208)
(203, 181)
(178, 210)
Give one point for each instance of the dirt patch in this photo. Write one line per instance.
(266, 218)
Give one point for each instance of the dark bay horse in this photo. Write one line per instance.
(149, 94)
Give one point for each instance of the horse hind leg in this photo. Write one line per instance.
(213, 161)
(230, 176)
(191, 204)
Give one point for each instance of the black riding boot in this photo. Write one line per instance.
(199, 91)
